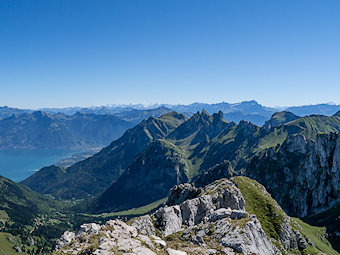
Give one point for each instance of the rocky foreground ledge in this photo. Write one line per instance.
(221, 218)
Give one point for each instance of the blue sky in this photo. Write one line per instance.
(83, 53)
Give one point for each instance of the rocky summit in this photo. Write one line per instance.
(220, 218)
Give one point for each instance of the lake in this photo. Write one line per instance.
(18, 164)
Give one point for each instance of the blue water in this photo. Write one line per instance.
(18, 164)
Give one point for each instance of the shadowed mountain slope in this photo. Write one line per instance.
(93, 175)
(204, 141)
(180, 155)
(148, 178)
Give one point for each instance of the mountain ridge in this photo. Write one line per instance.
(201, 147)
(228, 216)
(108, 164)
(206, 147)
(44, 130)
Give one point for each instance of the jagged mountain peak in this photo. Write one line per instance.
(247, 127)
(201, 115)
(205, 112)
(204, 118)
(219, 116)
(199, 125)
(79, 114)
(39, 114)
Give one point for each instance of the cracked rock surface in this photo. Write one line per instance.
(214, 221)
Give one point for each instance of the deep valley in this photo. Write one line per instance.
(295, 158)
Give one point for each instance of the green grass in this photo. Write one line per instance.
(328, 219)
(313, 125)
(317, 235)
(271, 216)
(192, 170)
(312, 251)
(3, 218)
(277, 136)
(134, 211)
(262, 205)
(307, 126)
(6, 248)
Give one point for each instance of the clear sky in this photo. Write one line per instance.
(82, 53)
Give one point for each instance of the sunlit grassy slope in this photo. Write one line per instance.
(6, 248)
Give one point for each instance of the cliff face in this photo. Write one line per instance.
(303, 175)
(222, 218)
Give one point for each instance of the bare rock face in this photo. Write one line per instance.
(179, 193)
(64, 240)
(144, 225)
(115, 236)
(194, 210)
(287, 235)
(214, 222)
(219, 214)
(226, 195)
(212, 215)
(90, 228)
(311, 172)
(223, 194)
(169, 219)
(248, 239)
(175, 252)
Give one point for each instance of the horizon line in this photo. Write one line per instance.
(157, 105)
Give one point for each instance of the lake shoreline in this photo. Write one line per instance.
(19, 163)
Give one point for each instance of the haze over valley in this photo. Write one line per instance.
(169, 127)
(32, 139)
(145, 152)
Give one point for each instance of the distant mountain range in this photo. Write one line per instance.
(43, 130)
(96, 127)
(6, 112)
(106, 166)
(161, 152)
(247, 110)
(295, 158)
(323, 109)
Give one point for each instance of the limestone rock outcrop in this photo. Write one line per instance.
(303, 175)
(214, 221)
